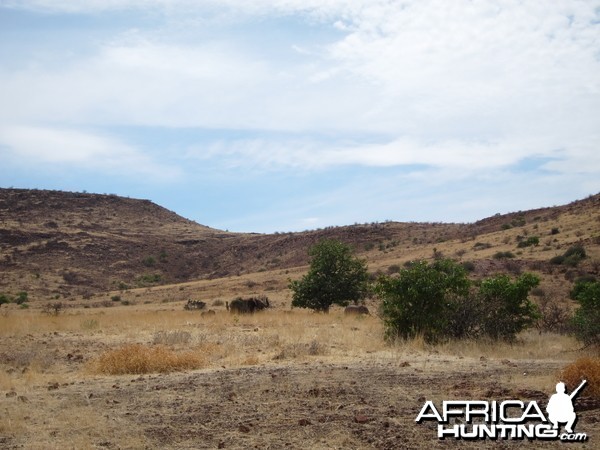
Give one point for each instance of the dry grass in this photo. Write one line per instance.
(141, 359)
(587, 368)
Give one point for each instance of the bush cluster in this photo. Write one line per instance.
(438, 301)
(586, 320)
(531, 241)
(572, 257)
(20, 299)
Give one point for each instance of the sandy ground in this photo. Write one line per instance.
(367, 402)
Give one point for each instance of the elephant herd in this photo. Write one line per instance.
(251, 305)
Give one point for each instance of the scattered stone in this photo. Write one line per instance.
(53, 386)
(244, 428)
(11, 394)
(361, 418)
(304, 422)
(405, 364)
(23, 399)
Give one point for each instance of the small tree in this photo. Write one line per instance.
(334, 277)
(586, 320)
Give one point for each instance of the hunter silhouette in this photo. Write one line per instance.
(560, 407)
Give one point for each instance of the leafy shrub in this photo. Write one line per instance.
(554, 231)
(149, 261)
(529, 242)
(417, 302)
(4, 299)
(503, 255)
(149, 279)
(518, 221)
(574, 255)
(469, 266)
(508, 310)
(571, 257)
(21, 298)
(586, 368)
(394, 268)
(116, 298)
(586, 321)
(438, 301)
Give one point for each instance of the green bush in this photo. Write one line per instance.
(417, 302)
(529, 242)
(571, 257)
(507, 308)
(469, 266)
(503, 255)
(334, 277)
(21, 298)
(586, 321)
(149, 261)
(438, 301)
(4, 299)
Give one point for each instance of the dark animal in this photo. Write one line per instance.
(210, 312)
(356, 309)
(247, 305)
(194, 304)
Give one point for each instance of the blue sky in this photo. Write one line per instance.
(287, 115)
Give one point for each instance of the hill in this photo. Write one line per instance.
(61, 244)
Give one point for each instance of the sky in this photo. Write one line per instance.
(287, 115)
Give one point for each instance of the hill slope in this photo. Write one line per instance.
(56, 243)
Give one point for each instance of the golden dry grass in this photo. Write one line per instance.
(141, 359)
(587, 368)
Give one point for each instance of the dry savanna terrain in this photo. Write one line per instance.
(104, 356)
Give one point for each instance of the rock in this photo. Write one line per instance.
(11, 394)
(361, 418)
(304, 422)
(244, 428)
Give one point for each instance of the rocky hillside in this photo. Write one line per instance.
(59, 244)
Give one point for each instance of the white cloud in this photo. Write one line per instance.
(40, 146)
(461, 85)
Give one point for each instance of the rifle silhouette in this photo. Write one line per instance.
(576, 391)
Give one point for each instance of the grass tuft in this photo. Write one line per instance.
(587, 368)
(141, 359)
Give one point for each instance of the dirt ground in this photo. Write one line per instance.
(353, 393)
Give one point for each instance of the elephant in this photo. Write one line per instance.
(247, 305)
(356, 309)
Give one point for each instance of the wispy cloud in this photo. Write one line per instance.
(39, 146)
(441, 91)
